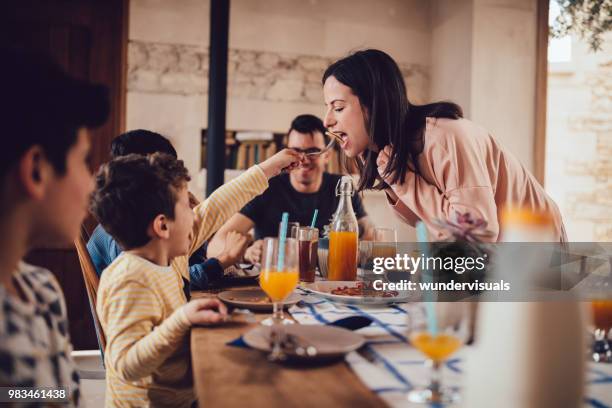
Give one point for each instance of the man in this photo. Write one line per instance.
(45, 183)
(103, 249)
(298, 193)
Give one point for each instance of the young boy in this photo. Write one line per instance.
(103, 249)
(44, 192)
(143, 203)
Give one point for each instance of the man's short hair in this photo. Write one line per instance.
(132, 190)
(308, 124)
(44, 107)
(142, 142)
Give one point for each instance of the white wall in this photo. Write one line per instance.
(503, 72)
(333, 28)
(451, 52)
(484, 58)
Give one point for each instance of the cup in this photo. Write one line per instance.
(292, 229)
(308, 238)
(385, 243)
(323, 251)
(279, 277)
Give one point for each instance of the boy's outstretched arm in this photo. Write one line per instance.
(228, 199)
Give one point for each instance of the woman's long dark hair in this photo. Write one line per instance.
(391, 119)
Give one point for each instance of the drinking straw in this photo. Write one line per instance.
(314, 218)
(281, 242)
(430, 312)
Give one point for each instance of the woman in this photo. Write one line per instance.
(430, 161)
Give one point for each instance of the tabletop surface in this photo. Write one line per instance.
(233, 376)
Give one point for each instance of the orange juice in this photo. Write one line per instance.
(383, 250)
(602, 314)
(438, 347)
(342, 257)
(278, 285)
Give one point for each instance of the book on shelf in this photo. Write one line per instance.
(253, 136)
(243, 149)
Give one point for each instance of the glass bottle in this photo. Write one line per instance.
(343, 235)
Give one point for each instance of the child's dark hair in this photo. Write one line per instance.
(141, 141)
(132, 190)
(45, 108)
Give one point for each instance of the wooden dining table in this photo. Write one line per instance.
(230, 376)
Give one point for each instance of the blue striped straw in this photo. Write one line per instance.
(281, 242)
(314, 218)
(432, 324)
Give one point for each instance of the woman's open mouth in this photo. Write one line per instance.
(344, 138)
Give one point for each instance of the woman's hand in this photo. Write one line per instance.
(381, 162)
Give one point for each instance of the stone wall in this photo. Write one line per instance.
(182, 69)
(579, 142)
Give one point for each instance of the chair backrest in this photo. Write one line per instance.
(91, 284)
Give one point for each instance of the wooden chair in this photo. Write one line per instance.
(91, 284)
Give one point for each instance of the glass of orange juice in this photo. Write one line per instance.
(385, 243)
(602, 330)
(279, 277)
(437, 337)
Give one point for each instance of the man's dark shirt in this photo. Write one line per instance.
(266, 210)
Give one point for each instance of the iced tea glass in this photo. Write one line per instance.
(308, 238)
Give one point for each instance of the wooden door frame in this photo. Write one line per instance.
(539, 151)
(108, 65)
(107, 22)
(105, 67)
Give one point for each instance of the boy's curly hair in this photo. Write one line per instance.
(132, 190)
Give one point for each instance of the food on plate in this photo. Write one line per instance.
(363, 289)
(257, 299)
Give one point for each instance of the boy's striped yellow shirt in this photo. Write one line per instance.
(139, 304)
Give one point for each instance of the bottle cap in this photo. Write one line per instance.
(345, 186)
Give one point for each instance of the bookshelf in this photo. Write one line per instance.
(243, 149)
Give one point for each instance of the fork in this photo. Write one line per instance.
(292, 344)
(334, 135)
(299, 346)
(326, 148)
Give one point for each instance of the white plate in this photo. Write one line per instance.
(329, 341)
(324, 288)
